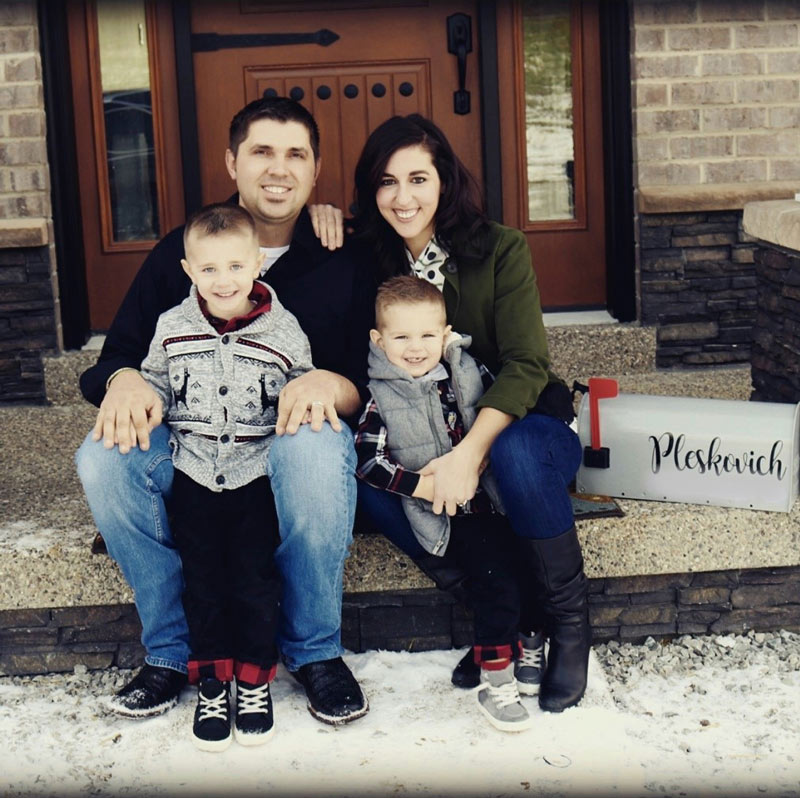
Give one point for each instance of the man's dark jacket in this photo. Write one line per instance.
(331, 293)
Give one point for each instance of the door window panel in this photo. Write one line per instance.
(549, 113)
(128, 120)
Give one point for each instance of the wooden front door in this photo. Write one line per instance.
(352, 64)
(124, 93)
(549, 75)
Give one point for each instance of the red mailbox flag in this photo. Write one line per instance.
(599, 388)
(596, 455)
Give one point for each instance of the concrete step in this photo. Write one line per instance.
(46, 529)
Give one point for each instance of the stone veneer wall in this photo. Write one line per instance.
(626, 609)
(698, 284)
(775, 363)
(27, 322)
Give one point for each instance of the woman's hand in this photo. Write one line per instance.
(455, 474)
(455, 477)
(328, 223)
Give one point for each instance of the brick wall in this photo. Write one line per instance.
(28, 292)
(24, 180)
(716, 91)
(627, 609)
(698, 285)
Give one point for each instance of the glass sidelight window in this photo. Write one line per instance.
(547, 54)
(127, 108)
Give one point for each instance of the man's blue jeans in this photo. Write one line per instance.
(313, 479)
(533, 461)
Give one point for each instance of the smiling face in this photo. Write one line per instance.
(408, 196)
(412, 334)
(223, 267)
(275, 172)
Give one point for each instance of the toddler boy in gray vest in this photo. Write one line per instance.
(424, 388)
(218, 362)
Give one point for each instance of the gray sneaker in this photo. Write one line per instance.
(529, 669)
(498, 699)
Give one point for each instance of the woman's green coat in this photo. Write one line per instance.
(491, 294)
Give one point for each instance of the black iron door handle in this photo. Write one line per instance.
(459, 43)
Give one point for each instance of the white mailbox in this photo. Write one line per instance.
(700, 451)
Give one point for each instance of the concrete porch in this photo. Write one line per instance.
(660, 570)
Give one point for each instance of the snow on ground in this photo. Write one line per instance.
(651, 724)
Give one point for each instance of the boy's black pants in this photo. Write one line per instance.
(232, 589)
(483, 546)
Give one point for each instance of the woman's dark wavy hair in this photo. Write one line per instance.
(460, 205)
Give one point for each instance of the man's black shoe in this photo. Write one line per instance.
(467, 674)
(334, 695)
(152, 691)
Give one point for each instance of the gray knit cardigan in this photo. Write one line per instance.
(220, 391)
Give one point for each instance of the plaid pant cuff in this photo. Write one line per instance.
(495, 658)
(221, 669)
(253, 674)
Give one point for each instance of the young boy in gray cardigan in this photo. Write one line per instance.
(218, 362)
(424, 388)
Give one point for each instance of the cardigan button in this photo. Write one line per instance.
(223, 389)
(225, 339)
(224, 438)
(220, 480)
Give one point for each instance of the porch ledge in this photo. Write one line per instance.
(777, 222)
(19, 233)
(54, 567)
(708, 197)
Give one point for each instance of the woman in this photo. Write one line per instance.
(418, 211)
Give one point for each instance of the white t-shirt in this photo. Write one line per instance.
(272, 254)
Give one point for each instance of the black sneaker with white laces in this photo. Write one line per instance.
(152, 691)
(211, 730)
(334, 695)
(254, 721)
(529, 668)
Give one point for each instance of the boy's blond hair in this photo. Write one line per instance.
(408, 290)
(219, 218)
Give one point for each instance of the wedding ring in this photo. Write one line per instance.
(321, 404)
(462, 505)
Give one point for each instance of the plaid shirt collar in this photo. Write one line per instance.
(260, 295)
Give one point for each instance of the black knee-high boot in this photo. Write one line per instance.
(557, 564)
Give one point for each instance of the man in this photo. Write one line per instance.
(125, 464)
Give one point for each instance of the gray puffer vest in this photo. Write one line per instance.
(412, 413)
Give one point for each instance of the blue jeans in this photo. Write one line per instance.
(313, 480)
(533, 461)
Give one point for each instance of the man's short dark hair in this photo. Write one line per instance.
(218, 218)
(279, 109)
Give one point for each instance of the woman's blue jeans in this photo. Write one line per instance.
(533, 461)
(312, 476)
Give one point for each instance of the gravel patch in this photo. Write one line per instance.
(780, 651)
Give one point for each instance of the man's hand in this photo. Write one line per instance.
(455, 478)
(309, 398)
(328, 224)
(130, 410)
